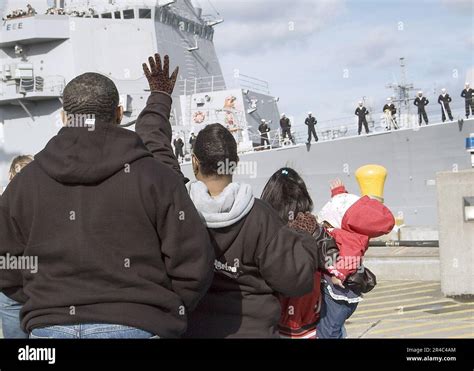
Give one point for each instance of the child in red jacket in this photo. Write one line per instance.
(351, 220)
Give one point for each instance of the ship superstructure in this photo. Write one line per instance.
(40, 53)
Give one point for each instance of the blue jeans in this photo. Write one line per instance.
(332, 317)
(10, 316)
(90, 331)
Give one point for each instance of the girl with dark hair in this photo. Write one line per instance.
(258, 257)
(286, 192)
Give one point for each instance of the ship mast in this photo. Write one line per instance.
(402, 93)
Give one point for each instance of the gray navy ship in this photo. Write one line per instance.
(42, 49)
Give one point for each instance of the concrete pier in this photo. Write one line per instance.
(455, 190)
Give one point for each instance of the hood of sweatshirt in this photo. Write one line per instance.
(85, 156)
(233, 204)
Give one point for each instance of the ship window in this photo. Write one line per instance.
(117, 15)
(95, 16)
(144, 13)
(107, 15)
(128, 14)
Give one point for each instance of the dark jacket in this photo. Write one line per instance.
(256, 258)
(263, 129)
(390, 107)
(272, 260)
(103, 218)
(446, 99)
(421, 103)
(467, 94)
(285, 123)
(178, 143)
(310, 121)
(362, 112)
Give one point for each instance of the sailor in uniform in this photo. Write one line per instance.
(264, 129)
(361, 112)
(390, 111)
(421, 102)
(444, 99)
(468, 95)
(285, 127)
(311, 122)
(178, 148)
(192, 141)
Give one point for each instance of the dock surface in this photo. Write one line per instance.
(411, 309)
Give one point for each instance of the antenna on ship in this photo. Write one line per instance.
(216, 21)
(402, 92)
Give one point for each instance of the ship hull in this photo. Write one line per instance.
(411, 156)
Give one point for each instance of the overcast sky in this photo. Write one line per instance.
(325, 55)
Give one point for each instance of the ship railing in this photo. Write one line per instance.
(220, 82)
(239, 80)
(50, 85)
(348, 126)
(201, 85)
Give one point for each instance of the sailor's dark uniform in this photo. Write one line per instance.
(264, 139)
(178, 148)
(390, 107)
(192, 142)
(311, 122)
(393, 112)
(362, 112)
(468, 95)
(444, 100)
(286, 128)
(421, 103)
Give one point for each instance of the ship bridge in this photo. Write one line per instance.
(42, 49)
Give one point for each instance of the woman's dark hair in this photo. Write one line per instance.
(216, 150)
(286, 192)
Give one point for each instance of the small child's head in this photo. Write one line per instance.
(333, 212)
(18, 164)
(286, 192)
(362, 215)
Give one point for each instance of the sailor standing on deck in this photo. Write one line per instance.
(421, 102)
(264, 129)
(192, 141)
(361, 112)
(311, 122)
(444, 99)
(390, 114)
(178, 148)
(285, 126)
(468, 95)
